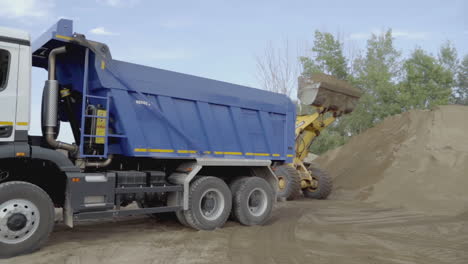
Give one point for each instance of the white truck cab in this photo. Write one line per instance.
(15, 84)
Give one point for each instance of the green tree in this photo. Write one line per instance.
(328, 139)
(448, 57)
(390, 84)
(327, 57)
(461, 91)
(426, 83)
(376, 74)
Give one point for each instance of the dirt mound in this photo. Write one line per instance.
(417, 160)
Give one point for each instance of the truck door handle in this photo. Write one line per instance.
(5, 131)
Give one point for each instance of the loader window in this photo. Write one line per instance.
(4, 65)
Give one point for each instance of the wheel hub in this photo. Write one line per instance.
(310, 184)
(17, 222)
(254, 199)
(313, 184)
(257, 201)
(211, 204)
(19, 219)
(281, 183)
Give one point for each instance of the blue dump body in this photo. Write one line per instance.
(159, 113)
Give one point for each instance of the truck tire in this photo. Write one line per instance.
(289, 182)
(324, 186)
(26, 218)
(210, 202)
(234, 186)
(172, 200)
(181, 218)
(253, 201)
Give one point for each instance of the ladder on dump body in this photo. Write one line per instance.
(99, 119)
(104, 102)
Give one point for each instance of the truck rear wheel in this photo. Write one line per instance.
(181, 218)
(323, 187)
(234, 186)
(289, 182)
(26, 218)
(253, 201)
(210, 202)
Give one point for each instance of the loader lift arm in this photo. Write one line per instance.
(308, 127)
(331, 98)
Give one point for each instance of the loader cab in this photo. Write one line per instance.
(15, 78)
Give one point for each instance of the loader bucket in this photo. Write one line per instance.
(325, 91)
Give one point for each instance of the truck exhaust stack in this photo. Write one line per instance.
(50, 109)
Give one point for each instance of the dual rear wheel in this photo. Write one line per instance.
(249, 200)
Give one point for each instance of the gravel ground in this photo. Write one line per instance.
(304, 231)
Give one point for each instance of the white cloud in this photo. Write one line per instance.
(409, 35)
(395, 34)
(26, 8)
(102, 31)
(118, 3)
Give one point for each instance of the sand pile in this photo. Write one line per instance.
(417, 160)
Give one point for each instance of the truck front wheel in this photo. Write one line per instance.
(210, 203)
(26, 218)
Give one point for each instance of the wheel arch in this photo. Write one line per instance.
(45, 168)
(187, 171)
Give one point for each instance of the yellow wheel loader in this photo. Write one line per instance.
(331, 99)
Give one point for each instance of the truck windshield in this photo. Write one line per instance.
(4, 65)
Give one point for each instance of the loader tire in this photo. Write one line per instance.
(253, 201)
(210, 203)
(26, 218)
(289, 182)
(324, 187)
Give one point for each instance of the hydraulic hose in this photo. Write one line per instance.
(99, 164)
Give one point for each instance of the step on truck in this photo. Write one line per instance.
(168, 142)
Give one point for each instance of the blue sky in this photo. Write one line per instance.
(220, 39)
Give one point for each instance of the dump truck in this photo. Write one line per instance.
(331, 98)
(165, 141)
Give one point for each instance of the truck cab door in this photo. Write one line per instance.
(9, 56)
